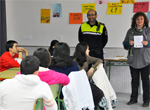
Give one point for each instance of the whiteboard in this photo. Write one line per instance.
(23, 22)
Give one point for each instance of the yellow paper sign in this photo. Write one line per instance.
(87, 7)
(127, 1)
(114, 8)
(45, 15)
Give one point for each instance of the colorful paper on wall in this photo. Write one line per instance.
(127, 1)
(148, 15)
(57, 10)
(114, 8)
(75, 18)
(140, 6)
(87, 7)
(101, 1)
(45, 15)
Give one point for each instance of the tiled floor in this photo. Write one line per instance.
(123, 98)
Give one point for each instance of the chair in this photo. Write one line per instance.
(77, 94)
(60, 101)
(55, 89)
(101, 81)
(39, 102)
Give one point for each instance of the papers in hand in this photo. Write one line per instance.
(138, 41)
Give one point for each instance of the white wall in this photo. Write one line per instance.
(23, 22)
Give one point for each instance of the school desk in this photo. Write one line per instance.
(8, 74)
(114, 62)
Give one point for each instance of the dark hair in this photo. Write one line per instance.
(44, 57)
(53, 43)
(29, 65)
(61, 55)
(9, 44)
(136, 15)
(79, 54)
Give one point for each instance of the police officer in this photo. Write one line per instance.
(94, 34)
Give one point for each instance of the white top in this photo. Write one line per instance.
(101, 80)
(21, 92)
(77, 94)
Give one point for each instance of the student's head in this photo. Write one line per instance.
(30, 65)
(139, 19)
(12, 46)
(44, 57)
(91, 15)
(61, 55)
(52, 45)
(81, 51)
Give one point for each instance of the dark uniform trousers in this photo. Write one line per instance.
(135, 74)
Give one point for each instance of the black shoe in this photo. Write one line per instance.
(145, 104)
(132, 102)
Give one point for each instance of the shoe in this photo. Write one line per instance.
(132, 102)
(145, 104)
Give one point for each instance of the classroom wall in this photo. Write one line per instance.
(23, 22)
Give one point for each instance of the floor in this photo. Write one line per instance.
(123, 98)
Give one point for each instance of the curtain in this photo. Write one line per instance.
(3, 35)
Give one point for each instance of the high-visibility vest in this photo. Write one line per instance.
(85, 27)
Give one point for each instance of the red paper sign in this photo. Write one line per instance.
(75, 18)
(140, 6)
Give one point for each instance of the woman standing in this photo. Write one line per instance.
(139, 56)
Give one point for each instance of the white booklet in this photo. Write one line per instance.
(138, 41)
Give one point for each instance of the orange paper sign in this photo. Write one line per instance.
(75, 18)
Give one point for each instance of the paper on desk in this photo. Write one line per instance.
(117, 58)
(138, 41)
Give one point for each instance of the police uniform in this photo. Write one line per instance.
(95, 36)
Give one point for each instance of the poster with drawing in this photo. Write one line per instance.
(57, 10)
(45, 15)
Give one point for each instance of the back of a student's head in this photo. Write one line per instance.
(9, 44)
(61, 49)
(52, 45)
(29, 65)
(44, 57)
(61, 55)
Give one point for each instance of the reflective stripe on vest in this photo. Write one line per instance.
(87, 29)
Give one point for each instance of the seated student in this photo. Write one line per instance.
(11, 58)
(21, 92)
(61, 61)
(46, 75)
(81, 56)
(52, 46)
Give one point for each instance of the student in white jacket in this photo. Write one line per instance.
(21, 92)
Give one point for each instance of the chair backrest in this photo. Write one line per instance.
(77, 94)
(54, 89)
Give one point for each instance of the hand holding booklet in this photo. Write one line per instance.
(138, 41)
